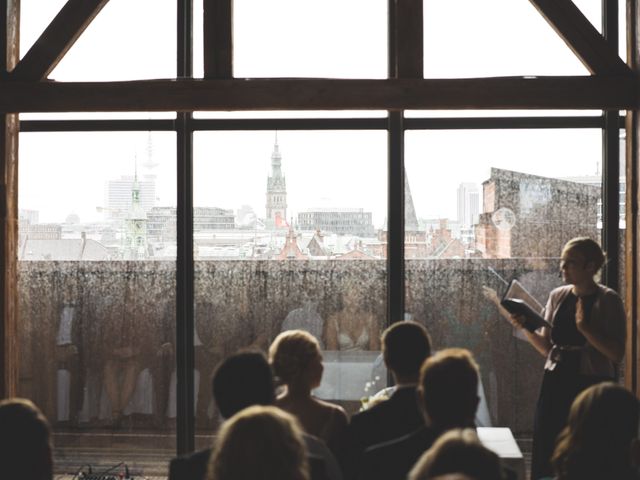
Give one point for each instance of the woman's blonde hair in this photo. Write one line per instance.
(603, 421)
(291, 353)
(458, 451)
(588, 248)
(259, 443)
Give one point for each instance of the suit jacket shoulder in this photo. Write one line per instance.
(389, 419)
(394, 459)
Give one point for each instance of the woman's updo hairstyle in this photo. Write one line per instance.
(588, 248)
(291, 353)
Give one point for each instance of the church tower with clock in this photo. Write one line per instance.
(135, 235)
(276, 206)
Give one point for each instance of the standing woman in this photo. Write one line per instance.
(582, 348)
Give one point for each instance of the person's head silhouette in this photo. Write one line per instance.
(601, 432)
(242, 380)
(25, 441)
(449, 389)
(405, 347)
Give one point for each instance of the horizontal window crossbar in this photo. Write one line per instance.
(291, 124)
(503, 123)
(516, 93)
(96, 125)
(457, 123)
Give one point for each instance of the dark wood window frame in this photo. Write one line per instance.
(612, 86)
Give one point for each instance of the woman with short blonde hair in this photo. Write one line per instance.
(259, 443)
(296, 360)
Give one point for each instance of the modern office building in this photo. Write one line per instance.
(468, 195)
(118, 200)
(352, 221)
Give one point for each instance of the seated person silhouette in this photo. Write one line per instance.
(25, 441)
(601, 437)
(458, 451)
(240, 381)
(448, 393)
(297, 361)
(69, 385)
(306, 317)
(405, 347)
(259, 443)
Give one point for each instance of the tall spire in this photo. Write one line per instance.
(135, 238)
(149, 164)
(410, 217)
(276, 159)
(135, 189)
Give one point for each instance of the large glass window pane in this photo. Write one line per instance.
(35, 16)
(287, 232)
(117, 45)
(492, 38)
(328, 38)
(489, 207)
(97, 296)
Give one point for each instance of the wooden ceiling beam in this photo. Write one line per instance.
(408, 31)
(588, 92)
(218, 38)
(582, 37)
(9, 136)
(57, 39)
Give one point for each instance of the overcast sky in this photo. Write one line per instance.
(65, 173)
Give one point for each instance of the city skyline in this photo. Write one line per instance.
(352, 177)
(64, 173)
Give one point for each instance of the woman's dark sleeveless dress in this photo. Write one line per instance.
(561, 385)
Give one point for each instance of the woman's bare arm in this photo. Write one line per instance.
(374, 334)
(330, 333)
(540, 341)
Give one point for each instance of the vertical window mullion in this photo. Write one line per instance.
(611, 162)
(395, 220)
(184, 268)
(611, 197)
(395, 185)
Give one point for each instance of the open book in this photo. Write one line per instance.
(517, 300)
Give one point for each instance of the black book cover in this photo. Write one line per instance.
(514, 303)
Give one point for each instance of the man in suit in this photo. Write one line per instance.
(448, 393)
(405, 347)
(240, 381)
